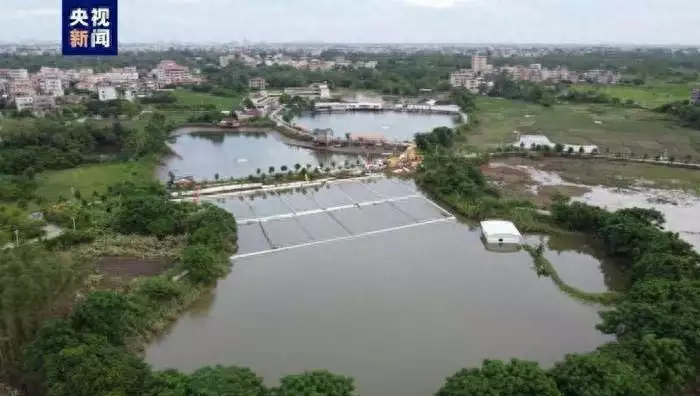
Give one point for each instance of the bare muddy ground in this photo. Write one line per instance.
(116, 272)
(586, 182)
(613, 173)
(517, 182)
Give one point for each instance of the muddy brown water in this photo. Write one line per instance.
(681, 209)
(398, 310)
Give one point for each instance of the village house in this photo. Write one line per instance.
(257, 83)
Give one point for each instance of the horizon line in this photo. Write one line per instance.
(368, 43)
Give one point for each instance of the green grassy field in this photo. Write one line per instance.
(196, 98)
(611, 128)
(14, 123)
(650, 95)
(87, 179)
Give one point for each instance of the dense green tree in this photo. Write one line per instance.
(596, 374)
(168, 383)
(665, 266)
(668, 309)
(687, 113)
(664, 360)
(451, 174)
(128, 189)
(225, 381)
(149, 215)
(105, 313)
(496, 378)
(315, 383)
(95, 368)
(52, 338)
(203, 264)
(464, 99)
(30, 281)
(440, 137)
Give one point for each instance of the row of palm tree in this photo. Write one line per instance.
(298, 167)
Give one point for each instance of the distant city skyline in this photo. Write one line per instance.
(563, 22)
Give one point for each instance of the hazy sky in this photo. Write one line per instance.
(459, 21)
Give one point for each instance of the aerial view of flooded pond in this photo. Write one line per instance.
(394, 126)
(373, 280)
(202, 155)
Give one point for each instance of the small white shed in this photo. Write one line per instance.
(500, 232)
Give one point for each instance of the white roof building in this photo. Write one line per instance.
(529, 141)
(107, 93)
(500, 232)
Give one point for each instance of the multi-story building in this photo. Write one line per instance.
(225, 60)
(168, 72)
(479, 63)
(695, 96)
(87, 84)
(51, 86)
(51, 72)
(324, 92)
(320, 90)
(257, 83)
(127, 75)
(466, 79)
(44, 103)
(20, 88)
(78, 75)
(24, 102)
(106, 93)
(18, 74)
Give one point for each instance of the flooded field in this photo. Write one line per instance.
(235, 155)
(682, 209)
(399, 126)
(372, 280)
(580, 264)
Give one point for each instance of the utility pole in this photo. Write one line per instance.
(73, 218)
(16, 237)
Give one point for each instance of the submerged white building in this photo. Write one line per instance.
(500, 232)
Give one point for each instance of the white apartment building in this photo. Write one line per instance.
(480, 63)
(51, 72)
(51, 86)
(82, 74)
(24, 103)
(18, 74)
(126, 75)
(323, 91)
(107, 93)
